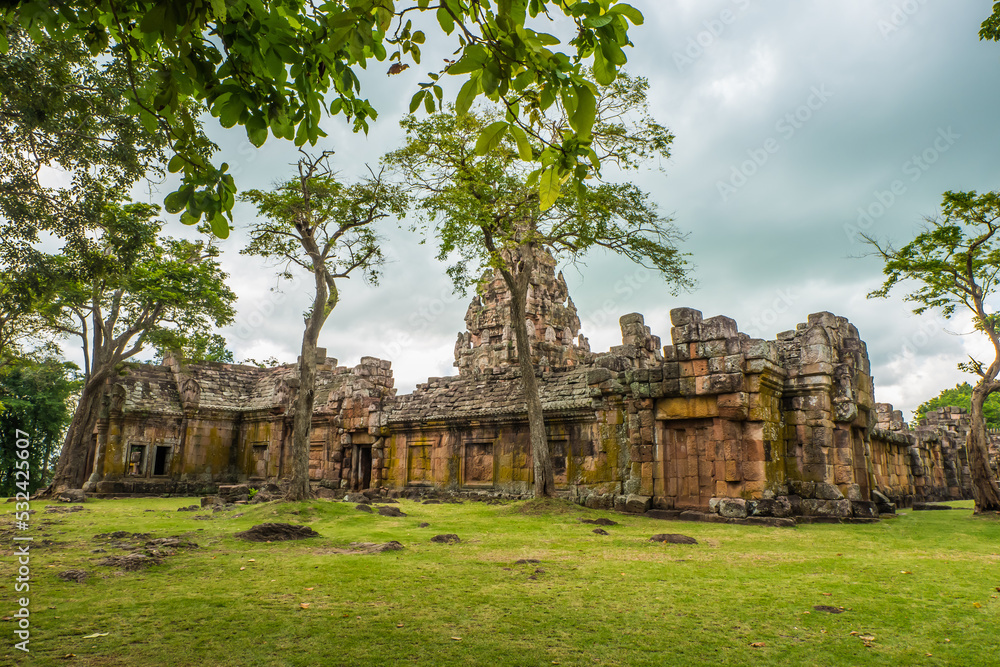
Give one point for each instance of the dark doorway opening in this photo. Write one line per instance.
(362, 473)
(160, 462)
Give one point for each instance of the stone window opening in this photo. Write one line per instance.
(136, 460)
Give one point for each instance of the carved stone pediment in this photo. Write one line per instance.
(117, 399)
(190, 393)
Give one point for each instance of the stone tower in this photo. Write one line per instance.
(489, 346)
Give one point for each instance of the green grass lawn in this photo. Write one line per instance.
(923, 585)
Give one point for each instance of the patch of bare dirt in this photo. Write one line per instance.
(277, 532)
(673, 538)
(79, 576)
(131, 562)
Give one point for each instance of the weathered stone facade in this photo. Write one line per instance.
(716, 421)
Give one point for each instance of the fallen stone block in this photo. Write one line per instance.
(636, 504)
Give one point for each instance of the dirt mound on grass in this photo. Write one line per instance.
(447, 538)
(277, 532)
(673, 538)
(78, 576)
(390, 511)
(600, 522)
(130, 562)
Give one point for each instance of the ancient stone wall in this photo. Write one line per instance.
(716, 422)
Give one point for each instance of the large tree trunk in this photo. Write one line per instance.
(984, 484)
(545, 484)
(71, 471)
(323, 302)
(299, 487)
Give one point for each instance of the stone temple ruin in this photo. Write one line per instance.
(714, 423)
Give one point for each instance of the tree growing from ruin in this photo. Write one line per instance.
(955, 263)
(474, 175)
(117, 293)
(275, 66)
(318, 224)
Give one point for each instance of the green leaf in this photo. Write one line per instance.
(444, 18)
(231, 110)
(220, 226)
(257, 130)
(416, 99)
(604, 72)
(586, 111)
(633, 14)
(598, 21)
(177, 201)
(613, 52)
(466, 96)
(176, 164)
(491, 137)
(490, 78)
(548, 188)
(188, 219)
(472, 59)
(152, 22)
(523, 147)
(219, 8)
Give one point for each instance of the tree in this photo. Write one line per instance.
(20, 325)
(274, 66)
(63, 111)
(990, 29)
(961, 397)
(955, 262)
(35, 395)
(117, 293)
(476, 190)
(195, 348)
(325, 227)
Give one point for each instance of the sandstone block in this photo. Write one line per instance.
(719, 327)
(733, 508)
(825, 491)
(635, 504)
(864, 509)
(682, 316)
(831, 508)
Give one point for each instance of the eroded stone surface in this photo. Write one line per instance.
(717, 423)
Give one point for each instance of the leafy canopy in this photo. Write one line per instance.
(316, 222)
(35, 395)
(275, 66)
(69, 140)
(953, 262)
(128, 288)
(483, 202)
(990, 28)
(961, 396)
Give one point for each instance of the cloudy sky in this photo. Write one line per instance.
(798, 125)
